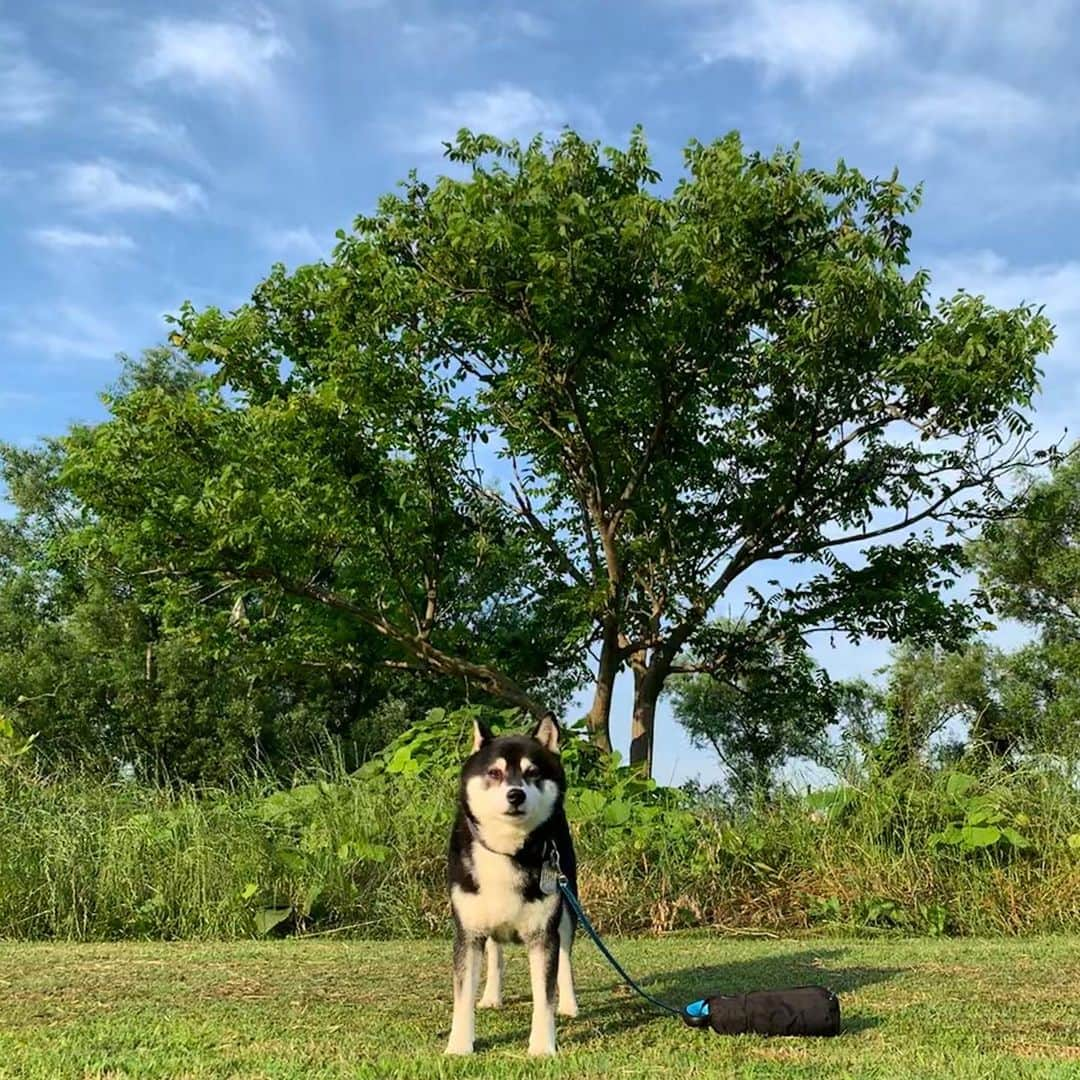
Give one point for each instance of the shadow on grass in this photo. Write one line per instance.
(820, 966)
(613, 1008)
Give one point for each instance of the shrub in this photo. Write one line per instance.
(364, 852)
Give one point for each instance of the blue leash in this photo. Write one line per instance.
(801, 1010)
(696, 1014)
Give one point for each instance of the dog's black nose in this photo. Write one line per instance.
(515, 796)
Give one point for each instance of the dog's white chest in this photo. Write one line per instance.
(498, 908)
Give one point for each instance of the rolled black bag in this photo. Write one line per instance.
(800, 1010)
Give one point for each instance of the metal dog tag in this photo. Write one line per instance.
(549, 879)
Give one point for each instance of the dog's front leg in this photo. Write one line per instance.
(567, 998)
(493, 997)
(466, 978)
(543, 965)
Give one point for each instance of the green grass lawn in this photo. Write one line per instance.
(336, 1008)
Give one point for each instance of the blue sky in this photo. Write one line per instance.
(152, 153)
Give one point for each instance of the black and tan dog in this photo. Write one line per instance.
(509, 840)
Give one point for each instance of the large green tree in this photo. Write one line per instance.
(543, 394)
(187, 680)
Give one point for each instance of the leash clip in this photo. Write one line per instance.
(552, 879)
(553, 859)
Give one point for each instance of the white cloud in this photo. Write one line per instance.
(142, 125)
(430, 33)
(964, 105)
(149, 130)
(300, 243)
(28, 93)
(60, 330)
(527, 24)
(445, 36)
(205, 55)
(1057, 285)
(811, 41)
(103, 187)
(67, 331)
(138, 122)
(60, 238)
(431, 23)
(964, 24)
(507, 112)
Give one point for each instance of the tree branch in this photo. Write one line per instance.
(430, 657)
(427, 656)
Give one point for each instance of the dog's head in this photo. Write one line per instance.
(514, 782)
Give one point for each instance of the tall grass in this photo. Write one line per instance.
(364, 854)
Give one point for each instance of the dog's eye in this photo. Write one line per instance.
(532, 773)
(495, 774)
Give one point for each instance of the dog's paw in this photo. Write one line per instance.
(489, 1002)
(542, 1049)
(458, 1047)
(568, 1008)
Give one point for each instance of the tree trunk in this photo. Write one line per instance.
(648, 682)
(599, 718)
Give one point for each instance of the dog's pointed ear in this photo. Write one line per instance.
(546, 733)
(481, 734)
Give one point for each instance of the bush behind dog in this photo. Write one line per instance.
(364, 853)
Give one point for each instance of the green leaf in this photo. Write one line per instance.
(1014, 838)
(617, 813)
(267, 918)
(983, 811)
(959, 784)
(289, 860)
(951, 834)
(400, 760)
(976, 836)
(372, 852)
(591, 803)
